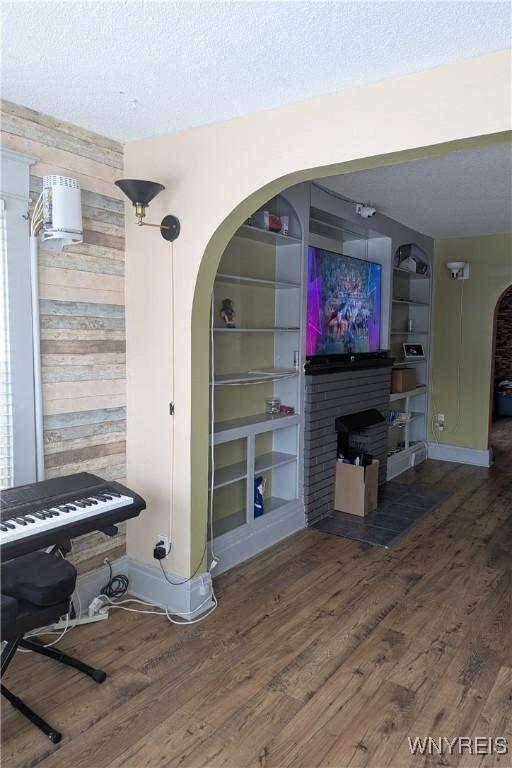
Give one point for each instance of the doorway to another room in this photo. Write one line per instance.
(500, 426)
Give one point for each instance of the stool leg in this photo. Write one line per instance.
(43, 726)
(8, 653)
(33, 644)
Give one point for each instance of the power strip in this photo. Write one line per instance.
(98, 607)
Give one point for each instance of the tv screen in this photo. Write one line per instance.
(343, 304)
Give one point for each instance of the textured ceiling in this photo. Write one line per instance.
(140, 68)
(463, 194)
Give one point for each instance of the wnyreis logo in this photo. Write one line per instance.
(460, 745)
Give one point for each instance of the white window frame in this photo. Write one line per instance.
(15, 192)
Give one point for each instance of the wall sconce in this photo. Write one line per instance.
(141, 193)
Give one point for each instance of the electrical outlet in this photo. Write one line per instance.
(440, 421)
(165, 542)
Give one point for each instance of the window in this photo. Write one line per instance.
(17, 422)
(6, 463)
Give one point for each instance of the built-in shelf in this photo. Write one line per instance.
(229, 523)
(237, 519)
(232, 429)
(265, 271)
(411, 393)
(249, 377)
(254, 281)
(409, 333)
(414, 417)
(272, 460)
(405, 363)
(256, 330)
(410, 302)
(230, 474)
(273, 503)
(413, 275)
(265, 236)
(263, 463)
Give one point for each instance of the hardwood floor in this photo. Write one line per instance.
(323, 652)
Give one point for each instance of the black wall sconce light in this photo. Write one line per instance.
(141, 193)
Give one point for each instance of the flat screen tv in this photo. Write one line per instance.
(343, 305)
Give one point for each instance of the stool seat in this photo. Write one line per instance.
(39, 578)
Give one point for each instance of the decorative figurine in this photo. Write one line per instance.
(228, 313)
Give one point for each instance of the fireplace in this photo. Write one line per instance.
(332, 394)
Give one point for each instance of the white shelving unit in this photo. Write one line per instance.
(262, 273)
(410, 302)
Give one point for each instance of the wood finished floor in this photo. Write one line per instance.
(323, 652)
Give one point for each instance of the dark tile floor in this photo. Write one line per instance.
(400, 507)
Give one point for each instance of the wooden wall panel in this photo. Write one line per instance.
(81, 309)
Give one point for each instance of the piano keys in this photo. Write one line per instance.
(51, 512)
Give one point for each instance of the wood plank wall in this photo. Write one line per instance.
(82, 310)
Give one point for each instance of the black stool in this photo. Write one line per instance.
(36, 591)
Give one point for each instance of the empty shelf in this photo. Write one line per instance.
(254, 281)
(272, 460)
(414, 275)
(230, 474)
(248, 377)
(273, 503)
(409, 333)
(228, 523)
(265, 236)
(256, 330)
(260, 422)
(411, 393)
(411, 302)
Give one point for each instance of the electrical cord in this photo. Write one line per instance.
(37, 633)
(212, 467)
(184, 581)
(165, 612)
(117, 585)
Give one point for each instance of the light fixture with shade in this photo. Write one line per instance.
(141, 193)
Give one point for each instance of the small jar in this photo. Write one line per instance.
(272, 406)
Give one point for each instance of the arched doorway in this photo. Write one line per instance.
(500, 408)
(216, 176)
(209, 262)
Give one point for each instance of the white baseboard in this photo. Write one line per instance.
(147, 582)
(404, 460)
(457, 453)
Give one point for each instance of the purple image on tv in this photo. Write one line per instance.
(343, 304)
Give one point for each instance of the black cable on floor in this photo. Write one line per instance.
(116, 586)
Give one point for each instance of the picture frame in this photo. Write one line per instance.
(413, 351)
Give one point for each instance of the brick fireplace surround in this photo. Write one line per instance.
(360, 386)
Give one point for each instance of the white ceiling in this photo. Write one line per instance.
(462, 194)
(139, 68)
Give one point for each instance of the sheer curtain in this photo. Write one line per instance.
(6, 432)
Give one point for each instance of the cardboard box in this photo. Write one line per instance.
(403, 379)
(356, 488)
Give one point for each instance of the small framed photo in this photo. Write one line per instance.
(413, 351)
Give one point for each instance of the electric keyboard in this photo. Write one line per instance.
(52, 512)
